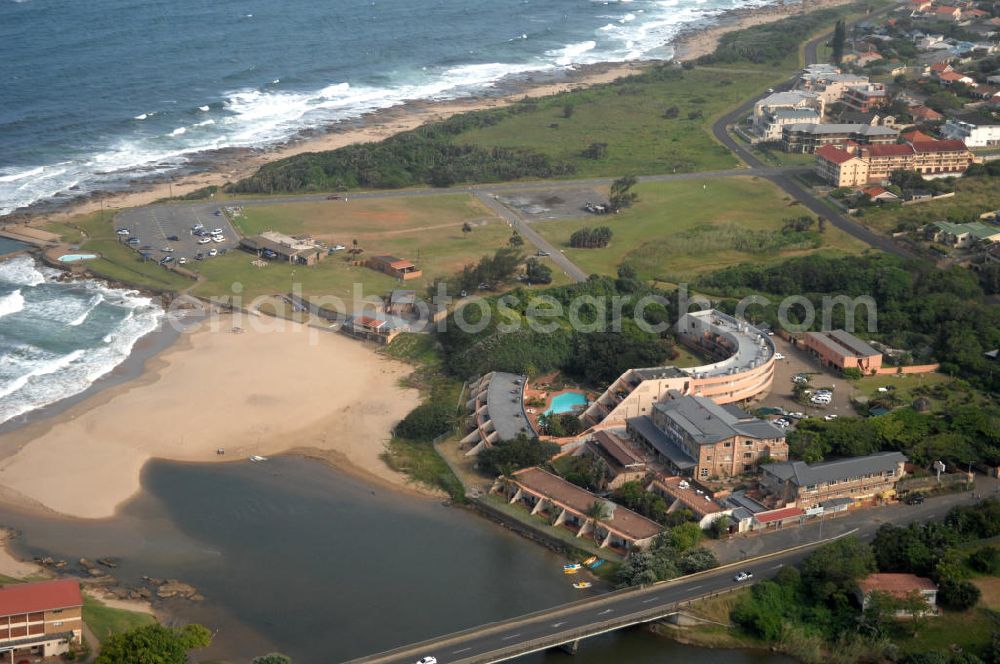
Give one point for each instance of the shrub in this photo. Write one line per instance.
(426, 422)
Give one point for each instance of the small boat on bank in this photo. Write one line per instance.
(572, 568)
(257, 459)
(580, 585)
(590, 561)
(597, 563)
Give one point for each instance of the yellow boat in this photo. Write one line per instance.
(580, 585)
(590, 561)
(571, 570)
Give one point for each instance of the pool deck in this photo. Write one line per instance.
(536, 389)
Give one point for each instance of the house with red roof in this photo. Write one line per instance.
(841, 167)
(952, 77)
(371, 329)
(40, 619)
(922, 113)
(948, 13)
(878, 194)
(899, 586)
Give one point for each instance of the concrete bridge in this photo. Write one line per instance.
(566, 625)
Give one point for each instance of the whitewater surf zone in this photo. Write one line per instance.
(154, 142)
(57, 338)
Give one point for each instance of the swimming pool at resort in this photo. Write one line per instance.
(566, 402)
(73, 258)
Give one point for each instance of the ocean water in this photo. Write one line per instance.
(57, 338)
(99, 93)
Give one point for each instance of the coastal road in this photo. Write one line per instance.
(785, 177)
(762, 554)
(568, 623)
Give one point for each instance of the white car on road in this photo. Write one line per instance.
(427, 660)
(203, 240)
(743, 576)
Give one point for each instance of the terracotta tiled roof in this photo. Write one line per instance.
(939, 146)
(834, 154)
(778, 515)
(891, 150)
(42, 596)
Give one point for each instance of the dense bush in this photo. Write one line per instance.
(508, 456)
(426, 422)
(421, 156)
(918, 305)
(590, 238)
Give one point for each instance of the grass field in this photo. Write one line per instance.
(424, 229)
(104, 620)
(944, 392)
(678, 230)
(629, 117)
(973, 196)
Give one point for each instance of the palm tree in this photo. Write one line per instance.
(598, 511)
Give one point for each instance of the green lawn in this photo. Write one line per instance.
(944, 392)
(972, 630)
(628, 116)
(678, 230)
(973, 196)
(118, 262)
(104, 620)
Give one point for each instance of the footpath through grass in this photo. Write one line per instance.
(678, 230)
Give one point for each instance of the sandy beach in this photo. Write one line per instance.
(257, 392)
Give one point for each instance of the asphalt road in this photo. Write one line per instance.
(561, 624)
(784, 547)
(783, 178)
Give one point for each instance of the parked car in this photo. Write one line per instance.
(182, 260)
(204, 240)
(122, 231)
(172, 238)
(333, 197)
(134, 241)
(197, 227)
(915, 499)
(830, 418)
(218, 238)
(799, 380)
(427, 660)
(166, 259)
(217, 231)
(779, 356)
(213, 252)
(797, 415)
(542, 253)
(167, 250)
(782, 423)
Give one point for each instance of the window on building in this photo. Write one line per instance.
(748, 455)
(747, 467)
(708, 458)
(727, 444)
(704, 472)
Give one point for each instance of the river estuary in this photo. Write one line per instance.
(294, 556)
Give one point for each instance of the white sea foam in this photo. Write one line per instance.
(40, 361)
(255, 117)
(203, 108)
(11, 303)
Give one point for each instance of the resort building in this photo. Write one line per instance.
(807, 138)
(856, 480)
(775, 122)
(496, 402)
(974, 136)
(273, 245)
(899, 586)
(40, 619)
(963, 235)
(394, 267)
(743, 369)
(865, 98)
(830, 86)
(680, 494)
(624, 463)
(840, 168)
(570, 506)
(370, 329)
(843, 350)
(697, 437)
(930, 158)
(762, 121)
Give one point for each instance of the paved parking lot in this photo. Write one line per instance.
(155, 223)
(799, 361)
